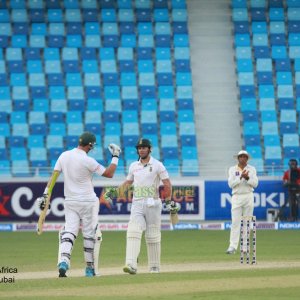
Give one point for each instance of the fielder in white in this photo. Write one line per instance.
(145, 176)
(242, 180)
(81, 203)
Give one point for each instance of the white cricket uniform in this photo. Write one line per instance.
(145, 211)
(81, 202)
(242, 201)
(146, 205)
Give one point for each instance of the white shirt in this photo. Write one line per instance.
(78, 169)
(242, 186)
(146, 178)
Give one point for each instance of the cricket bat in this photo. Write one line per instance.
(174, 218)
(42, 217)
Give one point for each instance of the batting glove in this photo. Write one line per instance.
(110, 194)
(172, 206)
(115, 150)
(42, 201)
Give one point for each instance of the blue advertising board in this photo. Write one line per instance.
(268, 194)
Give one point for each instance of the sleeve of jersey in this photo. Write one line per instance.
(233, 179)
(253, 180)
(57, 166)
(163, 173)
(96, 167)
(130, 174)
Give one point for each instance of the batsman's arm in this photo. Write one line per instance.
(167, 188)
(123, 188)
(172, 206)
(112, 192)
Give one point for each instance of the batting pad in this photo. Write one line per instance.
(66, 244)
(153, 238)
(133, 245)
(88, 248)
(98, 241)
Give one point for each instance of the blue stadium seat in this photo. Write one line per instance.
(248, 104)
(57, 129)
(127, 27)
(273, 152)
(249, 116)
(178, 4)
(290, 140)
(71, 141)
(18, 153)
(187, 128)
(268, 116)
(269, 128)
(169, 140)
(148, 117)
(108, 139)
(252, 140)
(190, 167)
(5, 168)
(113, 105)
(167, 116)
(54, 141)
(35, 141)
(3, 154)
(170, 153)
(130, 153)
(251, 128)
(149, 128)
(20, 168)
(168, 128)
(131, 128)
(189, 152)
(267, 104)
(271, 140)
(291, 151)
(254, 151)
(288, 127)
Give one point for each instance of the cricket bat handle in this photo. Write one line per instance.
(42, 217)
(174, 218)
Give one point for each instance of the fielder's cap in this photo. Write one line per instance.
(242, 152)
(87, 138)
(143, 143)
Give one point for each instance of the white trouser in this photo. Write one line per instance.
(77, 212)
(241, 205)
(144, 217)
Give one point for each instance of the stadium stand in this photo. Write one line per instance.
(120, 69)
(269, 79)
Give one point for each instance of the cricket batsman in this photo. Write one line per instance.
(144, 176)
(81, 203)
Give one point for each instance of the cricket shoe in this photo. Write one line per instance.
(89, 272)
(230, 250)
(154, 270)
(130, 270)
(62, 269)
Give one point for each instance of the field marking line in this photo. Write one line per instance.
(189, 267)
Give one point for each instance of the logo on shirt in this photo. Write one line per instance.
(150, 169)
(237, 173)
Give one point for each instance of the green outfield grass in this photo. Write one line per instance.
(29, 252)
